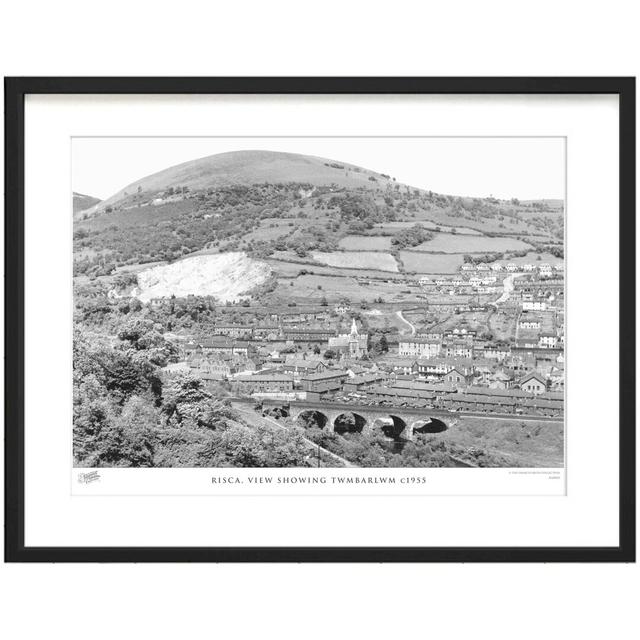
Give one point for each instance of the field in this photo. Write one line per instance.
(364, 243)
(532, 258)
(441, 218)
(453, 243)
(397, 225)
(358, 260)
(387, 319)
(306, 289)
(430, 262)
(499, 223)
(288, 269)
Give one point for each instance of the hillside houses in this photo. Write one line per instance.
(419, 347)
(439, 367)
(527, 321)
(342, 309)
(534, 305)
(220, 345)
(398, 364)
(458, 349)
(490, 351)
(233, 330)
(429, 335)
(267, 332)
(548, 341)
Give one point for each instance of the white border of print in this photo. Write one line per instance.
(54, 517)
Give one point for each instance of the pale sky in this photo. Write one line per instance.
(524, 168)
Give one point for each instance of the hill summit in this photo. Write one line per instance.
(250, 167)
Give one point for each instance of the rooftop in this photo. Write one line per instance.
(326, 375)
(264, 377)
(417, 340)
(366, 378)
(533, 376)
(449, 362)
(424, 386)
(312, 331)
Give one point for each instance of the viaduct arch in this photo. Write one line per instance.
(395, 422)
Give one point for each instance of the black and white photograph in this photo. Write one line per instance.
(320, 319)
(346, 302)
(309, 312)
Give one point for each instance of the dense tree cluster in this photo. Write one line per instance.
(375, 450)
(125, 413)
(482, 258)
(411, 237)
(144, 233)
(164, 226)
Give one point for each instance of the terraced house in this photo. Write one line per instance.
(329, 380)
(419, 347)
(262, 383)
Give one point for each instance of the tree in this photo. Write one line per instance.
(130, 439)
(187, 402)
(412, 237)
(384, 344)
(330, 354)
(141, 334)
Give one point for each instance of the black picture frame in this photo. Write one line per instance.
(15, 91)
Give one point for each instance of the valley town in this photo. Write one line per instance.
(262, 309)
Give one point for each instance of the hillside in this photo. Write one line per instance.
(289, 208)
(246, 168)
(82, 202)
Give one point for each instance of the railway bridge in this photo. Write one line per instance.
(394, 422)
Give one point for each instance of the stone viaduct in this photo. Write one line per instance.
(395, 422)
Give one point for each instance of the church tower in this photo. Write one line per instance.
(352, 344)
(355, 341)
